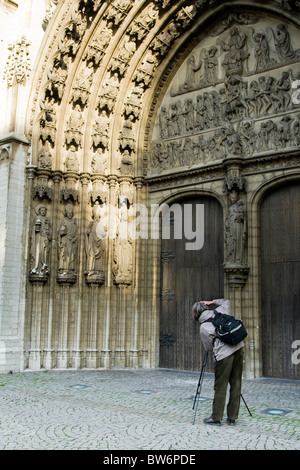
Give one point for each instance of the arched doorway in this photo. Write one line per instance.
(280, 271)
(188, 276)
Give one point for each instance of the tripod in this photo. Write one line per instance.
(199, 386)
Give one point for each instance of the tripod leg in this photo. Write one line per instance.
(246, 405)
(199, 386)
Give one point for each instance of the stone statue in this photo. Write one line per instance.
(40, 241)
(67, 243)
(123, 249)
(74, 127)
(45, 157)
(71, 162)
(235, 231)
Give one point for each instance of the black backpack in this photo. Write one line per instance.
(228, 329)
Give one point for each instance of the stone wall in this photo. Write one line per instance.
(139, 103)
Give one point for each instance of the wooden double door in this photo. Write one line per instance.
(186, 277)
(280, 274)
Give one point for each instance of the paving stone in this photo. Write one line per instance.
(139, 410)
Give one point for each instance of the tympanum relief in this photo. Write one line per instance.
(233, 95)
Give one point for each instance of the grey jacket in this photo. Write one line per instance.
(208, 334)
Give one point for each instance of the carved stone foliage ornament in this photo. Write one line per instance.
(18, 65)
(234, 95)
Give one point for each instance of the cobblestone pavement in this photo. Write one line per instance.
(139, 410)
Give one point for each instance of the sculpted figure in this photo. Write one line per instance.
(123, 249)
(262, 52)
(235, 230)
(67, 241)
(71, 163)
(93, 244)
(45, 157)
(235, 55)
(40, 241)
(283, 44)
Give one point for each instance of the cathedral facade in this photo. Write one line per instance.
(149, 159)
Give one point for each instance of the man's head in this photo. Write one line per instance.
(198, 309)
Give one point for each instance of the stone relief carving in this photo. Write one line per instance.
(96, 49)
(142, 25)
(120, 62)
(133, 104)
(73, 33)
(240, 111)
(290, 5)
(127, 137)
(48, 121)
(49, 12)
(69, 44)
(118, 11)
(57, 76)
(99, 161)
(71, 162)
(74, 127)
(144, 73)
(67, 247)
(18, 65)
(164, 40)
(84, 79)
(126, 164)
(42, 190)
(283, 46)
(39, 245)
(45, 157)
(100, 137)
(109, 92)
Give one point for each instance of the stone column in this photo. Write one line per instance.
(63, 347)
(106, 350)
(49, 359)
(77, 350)
(137, 331)
(120, 350)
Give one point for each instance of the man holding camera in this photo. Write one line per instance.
(228, 361)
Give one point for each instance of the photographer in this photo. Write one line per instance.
(228, 361)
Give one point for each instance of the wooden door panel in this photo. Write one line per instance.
(280, 271)
(188, 276)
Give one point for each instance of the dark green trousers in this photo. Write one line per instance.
(228, 371)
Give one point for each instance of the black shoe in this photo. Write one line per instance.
(230, 421)
(212, 421)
